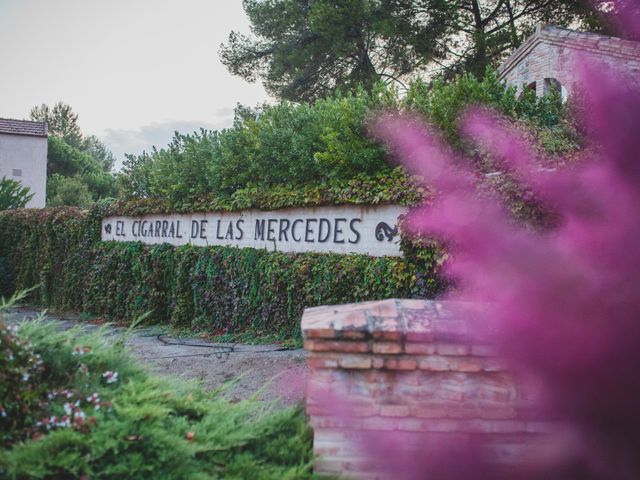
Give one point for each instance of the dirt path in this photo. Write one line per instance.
(266, 370)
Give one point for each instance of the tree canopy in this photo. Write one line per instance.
(303, 50)
(78, 166)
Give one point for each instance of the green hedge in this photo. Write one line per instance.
(219, 289)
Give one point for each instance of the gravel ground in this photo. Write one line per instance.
(267, 371)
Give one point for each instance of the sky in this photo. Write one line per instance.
(134, 70)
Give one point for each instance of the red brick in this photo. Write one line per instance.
(387, 347)
(390, 335)
(452, 349)
(322, 362)
(319, 333)
(400, 364)
(420, 348)
(436, 364)
(336, 346)
(355, 361)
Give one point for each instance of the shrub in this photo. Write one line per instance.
(299, 146)
(21, 391)
(13, 194)
(106, 417)
(220, 289)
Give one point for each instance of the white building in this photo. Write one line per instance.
(23, 156)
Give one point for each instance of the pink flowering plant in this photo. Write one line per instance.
(562, 302)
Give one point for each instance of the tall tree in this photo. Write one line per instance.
(488, 30)
(62, 120)
(305, 49)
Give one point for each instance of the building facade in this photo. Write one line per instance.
(23, 156)
(546, 58)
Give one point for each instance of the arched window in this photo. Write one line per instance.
(531, 86)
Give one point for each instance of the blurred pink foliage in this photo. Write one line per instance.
(566, 302)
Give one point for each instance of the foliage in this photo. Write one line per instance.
(63, 190)
(556, 303)
(74, 161)
(69, 168)
(306, 50)
(484, 32)
(105, 417)
(13, 194)
(217, 289)
(286, 149)
(303, 51)
(61, 120)
(21, 372)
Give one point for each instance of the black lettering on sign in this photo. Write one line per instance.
(284, 228)
(203, 229)
(178, 229)
(229, 235)
(324, 230)
(195, 229)
(165, 228)
(158, 227)
(120, 229)
(293, 229)
(135, 228)
(271, 231)
(218, 236)
(352, 227)
(239, 229)
(172, 230)
(308, 231)
(259, 233)
(337, 231)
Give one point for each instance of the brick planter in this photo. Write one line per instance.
(407, 371)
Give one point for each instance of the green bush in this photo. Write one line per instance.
(218, 289)
(21, 392)
(102, 416)
(74, 176)
(13, 194)
(293, 147)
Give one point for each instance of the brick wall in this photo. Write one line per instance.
(550, 51)
(407, 371)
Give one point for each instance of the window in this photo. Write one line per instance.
(17, 172)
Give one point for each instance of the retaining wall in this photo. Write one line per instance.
(394, 378)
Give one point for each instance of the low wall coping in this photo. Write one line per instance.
(399, 320)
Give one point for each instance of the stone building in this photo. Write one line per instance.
(545, 59)
(23, 156)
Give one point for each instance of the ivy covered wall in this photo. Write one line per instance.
(217, 289)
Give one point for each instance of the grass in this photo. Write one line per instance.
(147, 426)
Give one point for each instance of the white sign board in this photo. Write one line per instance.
(341, 229)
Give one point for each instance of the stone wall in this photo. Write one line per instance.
(407, 372)
(549, 54)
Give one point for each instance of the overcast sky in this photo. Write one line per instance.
(134, 70)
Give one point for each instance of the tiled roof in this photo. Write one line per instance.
(23, 127)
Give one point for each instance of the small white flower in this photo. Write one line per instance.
(110, 377)
(25, 377)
